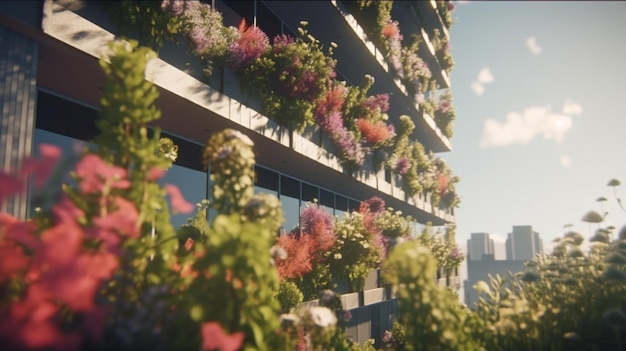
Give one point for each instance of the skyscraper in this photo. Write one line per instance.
(478, 245)
(523, 243)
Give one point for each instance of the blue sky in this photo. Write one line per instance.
(539, 90)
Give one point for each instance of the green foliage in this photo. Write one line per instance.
(393, 224)
(124, 139)
(289, 295)
(355, 253)
(445, 113)
(373, 16)
(231, 158)
(442, 50)
(236, 287)
(143, 20)
(563, 301)
(432, 317)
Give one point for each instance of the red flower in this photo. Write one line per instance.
(374, 133)
(179, 204)
(214, 338)
(391, 29)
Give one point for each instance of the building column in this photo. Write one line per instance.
(18, 95)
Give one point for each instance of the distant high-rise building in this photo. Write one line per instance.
(478, 245)
(523, 243)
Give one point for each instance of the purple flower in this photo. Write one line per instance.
(455, 253)
(282, 41)
(176, 7)
(444, 106)
(402, 165)
(313, 215)
(199, 39)
(252, 43)
(377, 102)
(376, 204)
(387, 337)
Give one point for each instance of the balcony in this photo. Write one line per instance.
(195, 109)
(356, 56)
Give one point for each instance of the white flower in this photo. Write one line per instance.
(322, 316)
(338, 256)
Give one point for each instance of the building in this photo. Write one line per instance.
(480, 270)
(478, 245)
(51, 83)
(523, 243)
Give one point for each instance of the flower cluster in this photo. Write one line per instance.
(391, 32)
(67, 261)
(251, 44)
(328, 116)
(204, 27)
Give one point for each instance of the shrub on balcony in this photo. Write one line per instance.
(442, 50)
(291, 77)
(446, 8)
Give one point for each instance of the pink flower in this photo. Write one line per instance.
(214, 338)
(155, 173)
(43, 166)
(252, 43)
(94, 173)
(179, 204)
(9, 185)
(123, 219)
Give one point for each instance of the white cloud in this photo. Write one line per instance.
(522, 127)
(532, 45)
(478, 88)
(484, 77)
(570, 107)
(565, 161)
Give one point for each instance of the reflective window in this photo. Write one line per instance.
(327, 200)
(192, 185)
(290, 201)
(341, 205)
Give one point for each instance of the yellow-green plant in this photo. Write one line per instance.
(432, 317)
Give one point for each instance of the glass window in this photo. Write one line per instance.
(310, 193)
(290, 201)
(341, 205)
(192, 185)
(266, 179)
(327, 200)
(353, 205)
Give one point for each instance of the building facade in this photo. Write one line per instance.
(51, 83)
(478, 245)
(523, 243)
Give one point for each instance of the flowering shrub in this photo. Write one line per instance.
(251, 44)
(290, 77)
(204, 27)
(445, 9)
(328, 116)
(442, 50)
(356, 251)
(445, 114)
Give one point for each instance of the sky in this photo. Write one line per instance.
(539, 90)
